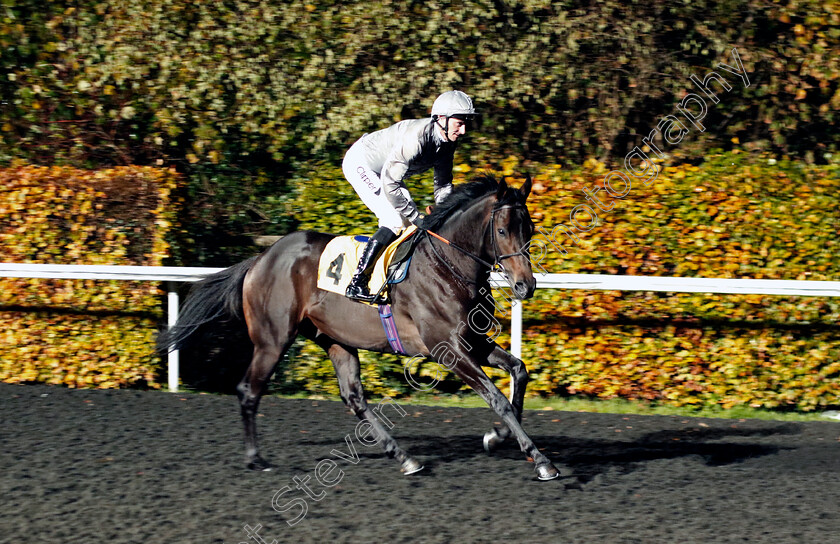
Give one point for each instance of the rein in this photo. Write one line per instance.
(497, 259)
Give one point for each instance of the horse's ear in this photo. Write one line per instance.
(525, 190)
(500, 193)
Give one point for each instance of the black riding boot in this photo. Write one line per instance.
(358, 288)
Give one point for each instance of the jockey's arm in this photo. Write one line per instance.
(393, 175)
(443, 178)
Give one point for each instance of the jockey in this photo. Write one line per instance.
(378, 164)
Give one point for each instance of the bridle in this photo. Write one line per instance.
(497, 262)
(496, 265)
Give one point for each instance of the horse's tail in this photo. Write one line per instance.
(215, 301)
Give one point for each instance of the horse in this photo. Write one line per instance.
(481, 226)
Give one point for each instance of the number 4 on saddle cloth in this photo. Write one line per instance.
(340, 259)
(341, 256)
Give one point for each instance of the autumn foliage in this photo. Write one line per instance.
(731, 217)
(82, 332)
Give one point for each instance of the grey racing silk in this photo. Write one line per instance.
(404, 149)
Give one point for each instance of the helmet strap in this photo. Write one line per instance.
(445, 126)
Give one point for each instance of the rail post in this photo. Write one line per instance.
(516, 329)
(173, 368)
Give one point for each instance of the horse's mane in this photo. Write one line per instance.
(462, 196)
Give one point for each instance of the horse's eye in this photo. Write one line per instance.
(502, 232)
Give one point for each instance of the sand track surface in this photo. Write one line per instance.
(89, 466)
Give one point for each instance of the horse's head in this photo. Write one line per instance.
(510, 230)
(489, 218)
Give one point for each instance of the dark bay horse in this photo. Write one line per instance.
(275, 296)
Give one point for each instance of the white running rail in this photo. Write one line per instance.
(172, 275)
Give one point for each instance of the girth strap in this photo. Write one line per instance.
(390, 327)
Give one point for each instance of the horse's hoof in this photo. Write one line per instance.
(259, 464)
(492, 440)
(547, 472)
(410, 466)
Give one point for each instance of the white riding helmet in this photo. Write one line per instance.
(453, 104)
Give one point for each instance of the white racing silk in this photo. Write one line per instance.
(393, 154)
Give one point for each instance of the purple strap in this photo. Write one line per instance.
(390, 327)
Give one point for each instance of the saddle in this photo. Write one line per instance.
(341, 256)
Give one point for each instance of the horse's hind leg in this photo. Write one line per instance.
(500, 358)
(250, 390)
(346, 363)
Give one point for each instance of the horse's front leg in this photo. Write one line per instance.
(470, 371)
(499, 358)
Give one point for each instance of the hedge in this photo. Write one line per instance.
(82, 332)
(733, 216)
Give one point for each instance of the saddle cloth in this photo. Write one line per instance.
(341, 258)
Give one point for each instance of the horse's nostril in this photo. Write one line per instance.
(524, 289)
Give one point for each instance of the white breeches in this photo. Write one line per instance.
(369, 187)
